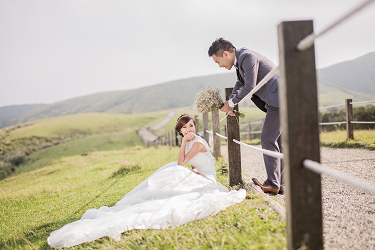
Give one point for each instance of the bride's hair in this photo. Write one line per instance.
(182, 120)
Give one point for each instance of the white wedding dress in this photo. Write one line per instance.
(171, 196)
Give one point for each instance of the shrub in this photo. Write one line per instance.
(3, 174)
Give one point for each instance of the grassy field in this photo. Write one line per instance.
(337, 139)
(71, 126)
(40, 142)
(34, 204)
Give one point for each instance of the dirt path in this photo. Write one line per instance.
(147, 136)
(348, 212)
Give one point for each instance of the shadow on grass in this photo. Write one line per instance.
(40, 234)
(34, 235)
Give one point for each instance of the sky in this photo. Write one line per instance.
(55, 50)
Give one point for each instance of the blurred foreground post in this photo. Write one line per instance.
(299, 122)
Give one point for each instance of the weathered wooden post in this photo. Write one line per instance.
(172, 139)
(249, 126)
(205, 127)
(169, 138)
(216, 129)
(225, 133)
(349, 118)
(299, 121)
(196, 118)
(176, 138)
(234, 149)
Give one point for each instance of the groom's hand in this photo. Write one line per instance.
(226, 109)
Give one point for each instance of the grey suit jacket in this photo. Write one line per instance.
(252, 68)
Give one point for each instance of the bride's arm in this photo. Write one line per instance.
(197, 147)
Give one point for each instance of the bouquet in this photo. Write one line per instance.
(208, 100)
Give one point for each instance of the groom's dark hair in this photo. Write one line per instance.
(219, 46)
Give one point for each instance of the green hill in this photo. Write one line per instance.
(352, 79)
(36, 144)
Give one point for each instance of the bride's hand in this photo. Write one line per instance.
(189, 136)
(196, 171)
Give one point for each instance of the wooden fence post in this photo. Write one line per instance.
(216, 129)
(172, 139)
(205, 127)
(196, 118)
(349, 118)
(234, 149)
(176, 138)
(249, 124)
(299, 121)
(225, 133)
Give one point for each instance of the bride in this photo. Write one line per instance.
(171, 196)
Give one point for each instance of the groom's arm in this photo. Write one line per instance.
(237, 88)
(228, 105)
(250, 65)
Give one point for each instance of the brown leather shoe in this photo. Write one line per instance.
(268, 189)
(257, 182)
(265, 187)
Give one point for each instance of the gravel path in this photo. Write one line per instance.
(348, 212)
(147, 136)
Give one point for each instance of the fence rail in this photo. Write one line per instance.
(318, 168)
(308, 41)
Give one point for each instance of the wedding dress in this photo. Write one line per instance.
(171, 196)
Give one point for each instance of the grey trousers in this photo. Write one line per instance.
(271, 140)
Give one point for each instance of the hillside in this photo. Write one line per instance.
(9, 112)
(352, 79)
(357, 75)
(36, 144)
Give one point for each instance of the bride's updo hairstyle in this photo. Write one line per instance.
(182, 120)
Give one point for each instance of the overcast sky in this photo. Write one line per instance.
(55, 50)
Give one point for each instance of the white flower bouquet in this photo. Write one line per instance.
(208, 100)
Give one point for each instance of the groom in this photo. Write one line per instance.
(251, 67)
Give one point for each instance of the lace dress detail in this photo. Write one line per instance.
(171, 196)
(204, 162)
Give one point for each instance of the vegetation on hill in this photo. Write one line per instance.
(363, 113)
(29, 146)
(43, 200)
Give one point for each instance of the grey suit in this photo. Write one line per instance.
(251, 68)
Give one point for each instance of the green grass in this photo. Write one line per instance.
(100, 142)
(83, 125)
(34, 204)
(338, 139)
(42, 141)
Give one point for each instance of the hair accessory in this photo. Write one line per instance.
(186, 115)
